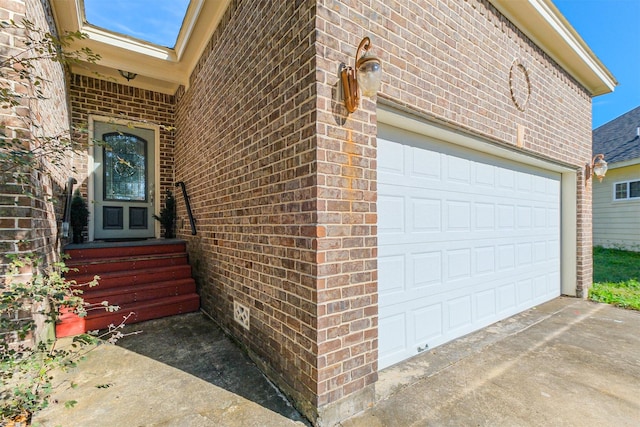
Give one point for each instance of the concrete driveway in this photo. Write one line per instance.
(568, 362)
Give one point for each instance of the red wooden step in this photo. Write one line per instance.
(98, 266)
(127, 278)
(125, 251)
(131, 294)
(147, 310)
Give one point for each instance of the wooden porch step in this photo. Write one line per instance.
(131, 294)
(149, 279)
(127, 278)
(125, 251)
(99, 319)
(93, 266)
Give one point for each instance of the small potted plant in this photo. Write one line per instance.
(79, 216)
(167, 216)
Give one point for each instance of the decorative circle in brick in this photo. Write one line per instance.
(519, 85)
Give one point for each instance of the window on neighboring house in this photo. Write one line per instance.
(627, 190)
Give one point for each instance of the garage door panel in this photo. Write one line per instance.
(458, 169)
(459, 313)
(524, 289)
(486, 304)
(391, 274)
(427, 269)
(390, 160)
(394, 218)
(425, 214)
(485, 260)
(423, 164)
(472, 238)
(394, 327)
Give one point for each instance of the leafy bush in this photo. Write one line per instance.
(27, 362)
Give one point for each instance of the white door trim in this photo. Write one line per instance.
(91, 168)
(568, 197)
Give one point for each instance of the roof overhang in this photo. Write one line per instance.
(624, 163)
(158, 68)
(164, 70)
(543, 23)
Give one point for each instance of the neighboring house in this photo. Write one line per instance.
(349, 242)
(616, 200)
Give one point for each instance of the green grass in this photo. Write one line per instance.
(616, 275)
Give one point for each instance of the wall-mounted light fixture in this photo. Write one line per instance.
(127, 75)
(598, 167)
(366, 76)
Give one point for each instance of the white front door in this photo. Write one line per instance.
(465, 239)
(123, 182)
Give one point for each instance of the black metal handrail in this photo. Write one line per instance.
(192, 221)
(66, 217)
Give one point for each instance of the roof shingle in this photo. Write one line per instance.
(618, 139)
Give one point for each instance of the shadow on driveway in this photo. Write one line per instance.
(195, 344)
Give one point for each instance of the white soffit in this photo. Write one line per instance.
(158, 68)
(543, 23)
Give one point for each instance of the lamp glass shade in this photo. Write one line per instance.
(369, 76)
(600, 168)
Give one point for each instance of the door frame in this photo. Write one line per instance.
(91, 168)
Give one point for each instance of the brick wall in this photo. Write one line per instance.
(245, 148)
(31, 208)
(92, 96)
(29, 218)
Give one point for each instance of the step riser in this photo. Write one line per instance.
(128, 251)
(74, 326)
(140, 278)
(133, 265)
(144, 295)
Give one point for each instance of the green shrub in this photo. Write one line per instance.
(27, 362)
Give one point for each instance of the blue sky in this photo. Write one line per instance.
(157, 21)
(611, 28)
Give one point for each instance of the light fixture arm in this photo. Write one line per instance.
(349, 79)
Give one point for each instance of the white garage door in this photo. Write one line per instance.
(465, 239)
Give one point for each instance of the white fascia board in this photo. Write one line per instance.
(189, 23)
(206, 17)
(624, 164)
(129, 44)
(543, 23)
